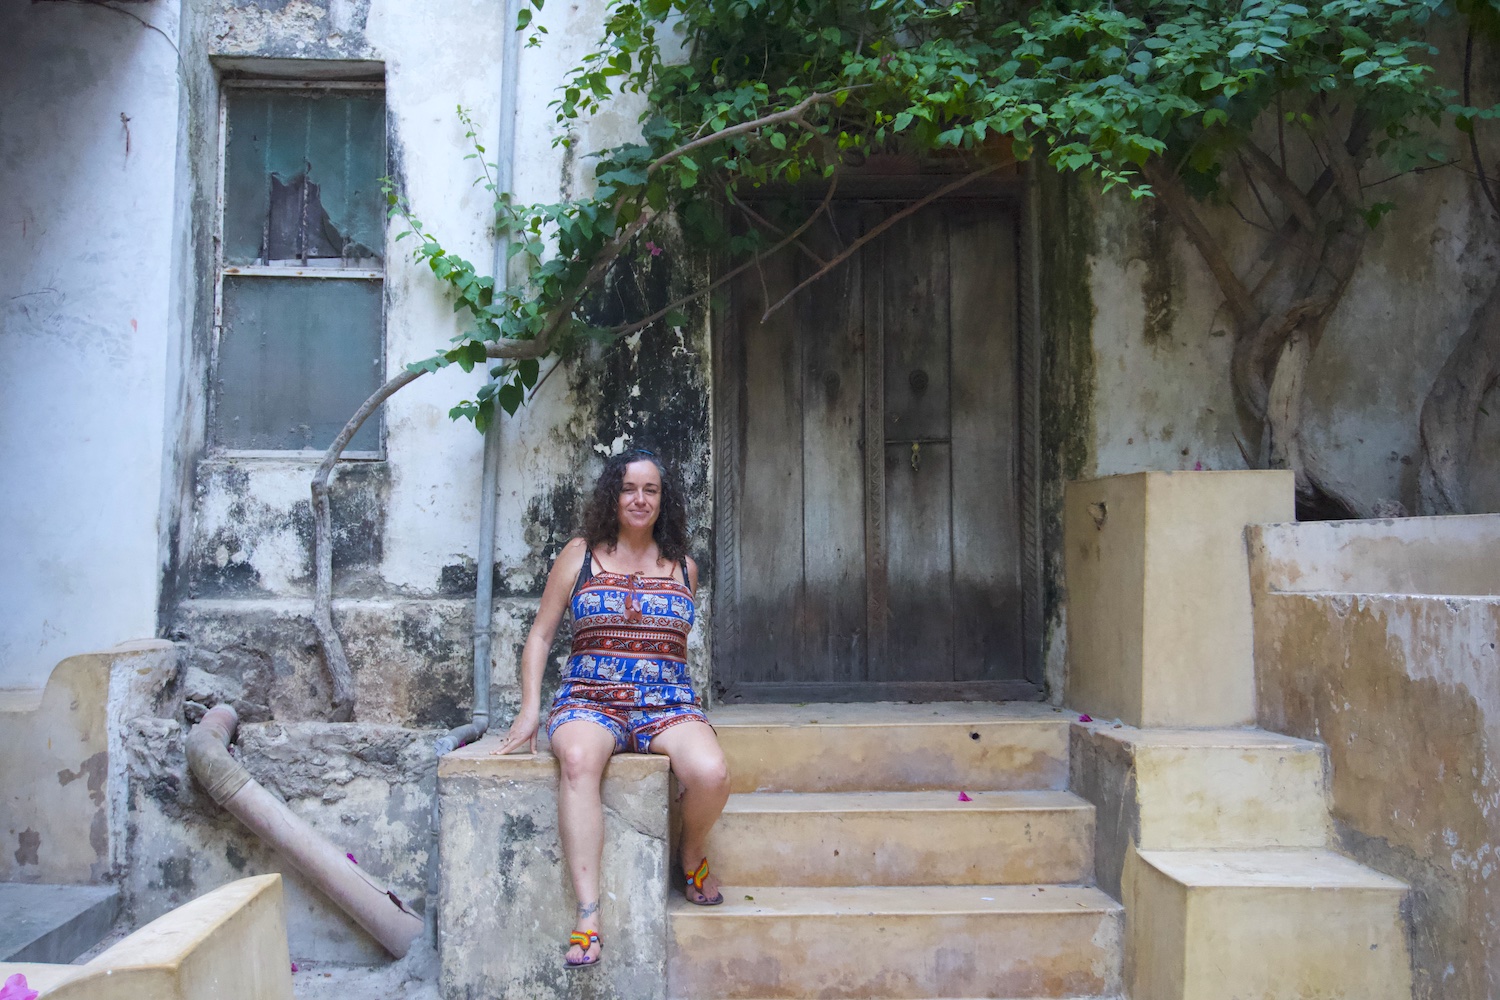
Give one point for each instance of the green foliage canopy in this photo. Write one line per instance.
(740, 94)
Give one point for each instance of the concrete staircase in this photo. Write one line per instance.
(852, 868)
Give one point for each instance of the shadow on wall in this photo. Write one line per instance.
(1379, 638)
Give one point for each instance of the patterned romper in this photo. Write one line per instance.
(628, 669)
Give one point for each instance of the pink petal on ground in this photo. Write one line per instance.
(352, 858)
(294, 966)
(964, 797)
(1198, 466)
(15, 988)
(1085, 718)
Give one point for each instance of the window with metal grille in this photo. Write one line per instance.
(299, 338)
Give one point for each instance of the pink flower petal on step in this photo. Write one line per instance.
(1198, 466)
(294, 966)
(15, 988)
(1085, 718)
(964, 797)
(352, 858)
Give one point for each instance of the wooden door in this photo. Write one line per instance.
(869, 531)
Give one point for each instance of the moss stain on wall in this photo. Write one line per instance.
(1066, 239)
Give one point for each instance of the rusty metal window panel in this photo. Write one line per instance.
(300, 332)
(302, 177)
(298, 358)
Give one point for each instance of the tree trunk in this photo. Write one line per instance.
(1451, 412)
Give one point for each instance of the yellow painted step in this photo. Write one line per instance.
(903, 838)
(894, 746)
(1281, 924)
(896, 942)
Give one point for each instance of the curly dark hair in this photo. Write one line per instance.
(601, 518)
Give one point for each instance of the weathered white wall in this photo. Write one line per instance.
(1161, 341)
(407, 526)
(1402, 689)
(87, 323)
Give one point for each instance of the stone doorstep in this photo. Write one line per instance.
(904, 838)
(54, 923)
(897, 942)
(894, 746)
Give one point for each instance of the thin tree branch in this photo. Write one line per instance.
(887, 223)
(1255, 190)
(1484, 180)
(333, 649)
(1281, 186)
(1343, 161)
(1167, 187)
(794, 112)
(765, 223)
(641, 324)
(541, 345)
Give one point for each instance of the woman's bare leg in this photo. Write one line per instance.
(699, 765)
(582, 749)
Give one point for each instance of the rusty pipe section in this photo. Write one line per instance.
(372, 905)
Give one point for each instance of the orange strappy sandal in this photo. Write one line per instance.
(585, 940)
(695, 880)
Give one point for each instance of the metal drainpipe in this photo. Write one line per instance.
(484, 590)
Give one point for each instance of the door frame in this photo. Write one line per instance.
(1016, 191)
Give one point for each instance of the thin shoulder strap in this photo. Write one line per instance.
(586, 571)
(685, 578)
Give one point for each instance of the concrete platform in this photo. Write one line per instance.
(1198, 789)
(893, 746)
(897, 942)
(1278, 925)
(903, 838)
(505, 900)
(54, 923)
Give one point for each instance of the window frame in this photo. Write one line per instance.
(317, 272)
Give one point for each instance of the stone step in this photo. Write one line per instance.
(54, 923)
(903, 838)
(896, 942)
(894, 746)
(1276, 923)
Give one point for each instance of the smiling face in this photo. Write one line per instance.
(640, 496)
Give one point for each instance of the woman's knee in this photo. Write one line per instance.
(705, 772)
(579, 760)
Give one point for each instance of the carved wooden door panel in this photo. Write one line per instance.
(869, 535)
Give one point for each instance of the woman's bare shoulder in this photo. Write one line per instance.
(570, 560)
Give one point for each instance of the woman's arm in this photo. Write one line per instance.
(555, 599)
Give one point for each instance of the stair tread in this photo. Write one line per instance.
(905, 900)
(903, 801)
(885, 713)
(1310, 868)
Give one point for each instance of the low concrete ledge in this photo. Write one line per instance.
(507, 902)
(1278, 925)
(228, 944)
(1189, 789)
(1447, 556)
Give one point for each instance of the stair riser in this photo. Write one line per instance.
(841, 758)
(905, 848)
(1036, 954)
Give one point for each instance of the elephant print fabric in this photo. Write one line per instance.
(628, 667)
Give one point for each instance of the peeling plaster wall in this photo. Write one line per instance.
(91, 322)
(406, 527)
(1402, 688)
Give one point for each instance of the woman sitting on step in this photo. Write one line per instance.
(630, 585)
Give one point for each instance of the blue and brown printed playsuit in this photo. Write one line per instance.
(628, 668)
